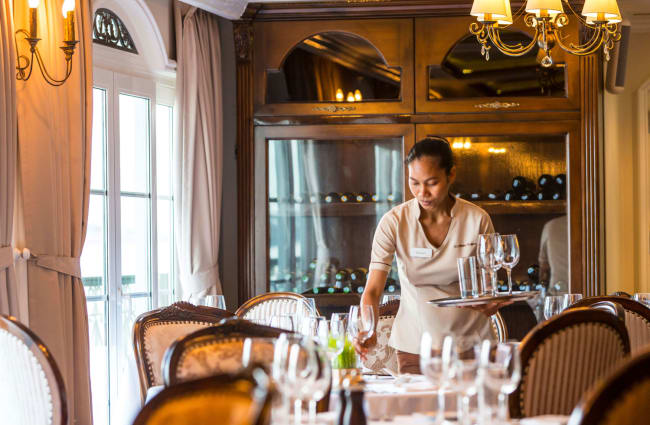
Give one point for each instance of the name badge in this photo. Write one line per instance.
(421, 252)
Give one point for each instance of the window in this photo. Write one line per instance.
(128, 257)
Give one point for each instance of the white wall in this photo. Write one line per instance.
(621, 171)
(163, 13)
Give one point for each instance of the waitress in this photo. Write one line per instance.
(427, 234)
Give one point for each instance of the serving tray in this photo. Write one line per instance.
(484, 299)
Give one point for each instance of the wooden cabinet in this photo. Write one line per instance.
(546, 120)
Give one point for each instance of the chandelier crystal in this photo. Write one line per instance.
(546, 17)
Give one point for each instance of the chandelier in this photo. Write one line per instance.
(546, 18)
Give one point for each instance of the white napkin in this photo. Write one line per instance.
(545, 420)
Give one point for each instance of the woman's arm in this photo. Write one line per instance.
(371, 296)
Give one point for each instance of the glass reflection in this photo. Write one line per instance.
(333, 67)
(521, 182)
(325, 200)
(464, 73)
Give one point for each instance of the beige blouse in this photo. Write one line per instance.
(427, 273)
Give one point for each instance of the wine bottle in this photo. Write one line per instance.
(374, 197)
(527, 195)
(511, 195)
(358, 276)
(560, 180)
(545, 194)
(316, 198)
(521, 184)
(495, 195)
(347, 197)
(391, 285)
(476, 196)
(300, 198)
(460, 195)
(545, 181)
(343, 275)
(533, 273)
(332, 197)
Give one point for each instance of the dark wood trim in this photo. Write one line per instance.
(243, 34)
(510, 116)
(593, 256)
(47, 362)
(627, 303)
(540, 333)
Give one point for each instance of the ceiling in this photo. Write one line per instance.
(637, 11)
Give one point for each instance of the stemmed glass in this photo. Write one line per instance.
(279, 371)
(435, 369)
(510, 248)
(461, 357)
(309, 325)
(552, 306)
(490, 256)
(361, 322)
(331, 336)
(321, 381)
(500, 370)
(302, 374)
(569, 299)
(283, 321)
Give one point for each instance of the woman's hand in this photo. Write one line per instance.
(488, 309)
(362, 347)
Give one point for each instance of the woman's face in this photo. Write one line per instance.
(429, 183)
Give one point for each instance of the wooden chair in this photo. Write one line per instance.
(32, 390)
(223, 399)
(563, 356)
(519, 319)
(217, 349)
(266, 305)
(623, 398)
(155, 330)
(637, 318)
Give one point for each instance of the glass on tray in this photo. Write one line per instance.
(467, 277)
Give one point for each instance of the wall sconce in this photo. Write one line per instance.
(24, 69)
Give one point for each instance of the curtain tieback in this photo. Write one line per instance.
(66, 265)
(6, 257)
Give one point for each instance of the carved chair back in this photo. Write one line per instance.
(637, 318)
(227, 399)
(31, 386)
(155, 330)
(563, 356)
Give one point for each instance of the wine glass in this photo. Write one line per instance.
(510, 248)
(461, 357)
(283, 321)
(279, 370)
(321, 381)
(435, 369)
(302, 372)
(569, 299)
(643, 298)
(331, 336)
(490, 256)
(552, 305)
(361, 322)
(309, 325)
(500, 370)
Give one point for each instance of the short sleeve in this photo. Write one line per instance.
(383, 244)
(486, 224)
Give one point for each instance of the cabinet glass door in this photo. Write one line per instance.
(325, 198)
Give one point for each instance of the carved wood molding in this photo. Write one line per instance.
(243, 35)
(593, 255)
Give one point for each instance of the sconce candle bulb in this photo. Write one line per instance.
(33, 18)
(68, 21)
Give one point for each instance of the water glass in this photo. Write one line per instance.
(569, 299)
(486, 283)
(217, 301)
(552, 305)
(643, 297)
(467, 277)
(309, 325)
(500, 370)
(361, 322)
(510, 249)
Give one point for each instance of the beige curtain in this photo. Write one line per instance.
(8, 149)
(198, 151)
(54, 139)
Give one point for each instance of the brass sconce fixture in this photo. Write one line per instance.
(546, 18)
(25, 65)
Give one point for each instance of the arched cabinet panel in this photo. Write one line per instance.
(453, 76)
(334, 67)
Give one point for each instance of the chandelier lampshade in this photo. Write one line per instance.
(491, 10)
(606, 10)
(541, 7)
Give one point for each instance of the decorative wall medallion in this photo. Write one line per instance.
(243, 34)
(109, 30)
(334, 108)
(497, 105)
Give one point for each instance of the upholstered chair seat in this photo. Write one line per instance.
(563, 357)
(31, 386)
(154, 332)
(637, 318)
